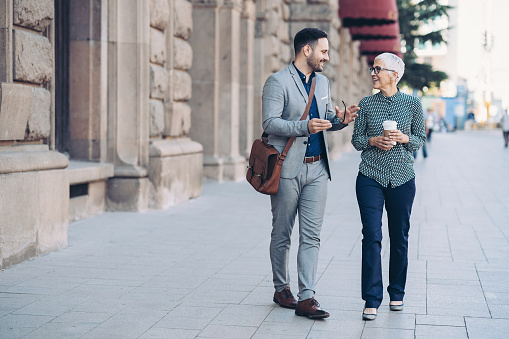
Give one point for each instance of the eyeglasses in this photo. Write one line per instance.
(377, 69)
(341, 120)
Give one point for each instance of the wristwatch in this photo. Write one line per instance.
(338, 121)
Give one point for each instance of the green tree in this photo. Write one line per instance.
(412, 15)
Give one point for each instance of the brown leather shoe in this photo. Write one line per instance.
(311, 308)
(285, 298)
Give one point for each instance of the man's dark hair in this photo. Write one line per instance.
(307, 36)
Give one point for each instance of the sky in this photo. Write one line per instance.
(473, 63)
(465, 58)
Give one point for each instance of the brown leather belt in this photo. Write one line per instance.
(307, 160)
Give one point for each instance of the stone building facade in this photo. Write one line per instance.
(125, 105)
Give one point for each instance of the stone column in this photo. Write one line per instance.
(344, 56)
(323, 14)
(128, 103)
(215, 74)
(33, 181)
(272, 50)
(365, 78)
(340, 140)
(354, 69)
(176, 162)
(246, 76)
(6, 46)
(260, 64)
(88, 73)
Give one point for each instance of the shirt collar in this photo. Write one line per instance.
(302, 76)
(396, 97)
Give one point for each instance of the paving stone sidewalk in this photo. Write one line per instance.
(201, 269)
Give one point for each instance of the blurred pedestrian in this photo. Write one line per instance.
(305, 171)
(442, 124)
(386, 176)
(430, 124)
(505, 127)
(428, 138)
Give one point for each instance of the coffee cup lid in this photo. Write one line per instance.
(389, 124)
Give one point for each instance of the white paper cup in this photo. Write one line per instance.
(389, 125)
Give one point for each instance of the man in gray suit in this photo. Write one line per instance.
(305, 172)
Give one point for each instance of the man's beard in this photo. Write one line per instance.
(314, 63)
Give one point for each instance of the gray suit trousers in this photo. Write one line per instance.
(306, 194)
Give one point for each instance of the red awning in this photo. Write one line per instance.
(375, 47)
(370, 58)
(367, 12)
(375, 32)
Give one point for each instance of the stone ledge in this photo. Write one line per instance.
(16, 162)
(84, 171)
(172, 147)
(130, 171)
(28, 147)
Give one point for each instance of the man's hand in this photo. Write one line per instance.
(381, 142)
(348, 116)
(398, 136)
(318, 125)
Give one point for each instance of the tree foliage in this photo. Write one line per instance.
(412, 15)
(418, 76)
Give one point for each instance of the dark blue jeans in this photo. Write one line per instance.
(371, 197)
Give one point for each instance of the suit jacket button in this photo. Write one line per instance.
(305, 142)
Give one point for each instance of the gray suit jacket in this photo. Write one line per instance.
(284, 100)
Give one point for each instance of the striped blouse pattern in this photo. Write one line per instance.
(394, 166)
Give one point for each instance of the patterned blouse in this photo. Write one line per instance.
(394, 166)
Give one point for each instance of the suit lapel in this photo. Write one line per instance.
(298, 81)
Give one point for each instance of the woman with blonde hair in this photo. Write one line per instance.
(386, 176)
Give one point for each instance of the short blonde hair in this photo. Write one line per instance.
(394, 62)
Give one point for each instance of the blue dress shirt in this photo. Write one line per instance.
(316, 145)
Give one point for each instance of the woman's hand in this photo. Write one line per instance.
(348, 116)
(381, 142)
(398, 136)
